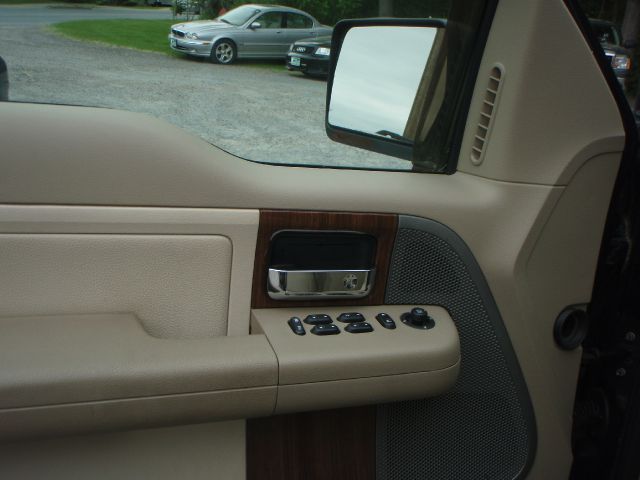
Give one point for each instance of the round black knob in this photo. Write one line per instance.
(418, 318)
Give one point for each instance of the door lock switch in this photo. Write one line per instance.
(386, 321)
(323, 329)
(318, 319)
(296, 325)
(351, 317)
(359, 327)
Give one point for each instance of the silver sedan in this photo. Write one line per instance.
(249, 31)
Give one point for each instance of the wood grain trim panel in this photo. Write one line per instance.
(382, 226)
(332, 444)
(327, 445)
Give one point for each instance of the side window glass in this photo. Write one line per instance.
(298, 21)
(271, 20)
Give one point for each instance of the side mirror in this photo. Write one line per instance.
(4, 82)
(255, 25)
(386, 83)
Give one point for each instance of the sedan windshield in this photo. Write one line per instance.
(239, 16)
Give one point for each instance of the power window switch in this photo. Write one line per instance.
(325, 329)
(360, 327)
(296, 325)
(318, 319)
(351, 317)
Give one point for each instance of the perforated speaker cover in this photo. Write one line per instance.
(484, 427)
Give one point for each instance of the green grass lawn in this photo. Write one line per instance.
(149, 35)
(20, 2)
(66, 3)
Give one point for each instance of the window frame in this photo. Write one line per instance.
(296, 14)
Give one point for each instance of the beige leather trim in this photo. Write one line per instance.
(178, 285)
(363, 391)
(76, 374)
(195, 452)
(135, 413)
(239, 226)
(67, 359)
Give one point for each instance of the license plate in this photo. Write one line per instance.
(295, 61)
(173, 42)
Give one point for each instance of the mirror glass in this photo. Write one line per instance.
(382, 71)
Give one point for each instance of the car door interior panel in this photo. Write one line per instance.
(170, 310)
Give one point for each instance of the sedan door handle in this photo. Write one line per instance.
(319, 284)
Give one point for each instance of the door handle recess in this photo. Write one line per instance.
(319, 284)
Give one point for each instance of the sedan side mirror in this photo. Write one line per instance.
(385, 83)
(255, 25)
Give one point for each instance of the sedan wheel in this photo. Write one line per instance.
(223, 52)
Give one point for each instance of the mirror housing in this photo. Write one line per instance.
(368, 84)
(255, 25)
(4, 81)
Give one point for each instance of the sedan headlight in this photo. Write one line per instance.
(323, 51)
(622, 62)
(191, 36)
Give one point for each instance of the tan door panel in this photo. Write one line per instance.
(185, 272)
(177, 285)
(163, 225)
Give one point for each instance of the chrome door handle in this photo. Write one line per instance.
(319, 284)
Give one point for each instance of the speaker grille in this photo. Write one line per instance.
(479, 430)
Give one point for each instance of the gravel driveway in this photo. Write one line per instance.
(252, 112)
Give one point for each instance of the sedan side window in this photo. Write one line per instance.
(271, 20)
(295, 20)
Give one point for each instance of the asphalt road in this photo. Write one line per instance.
(46, 14)
(256, 113)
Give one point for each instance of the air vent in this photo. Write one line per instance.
(487, 112)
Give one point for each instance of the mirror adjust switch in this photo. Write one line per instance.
(386, 321)
(318, 319)
(351, 317)
(360, 327)
(296, 325)
(325, 330)
(418, 318)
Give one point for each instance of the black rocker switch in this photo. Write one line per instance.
(351, 317)
(386, 321)
(318, 319)
(296, 325)
(325, 330)
(360, 327)
(418, 318)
